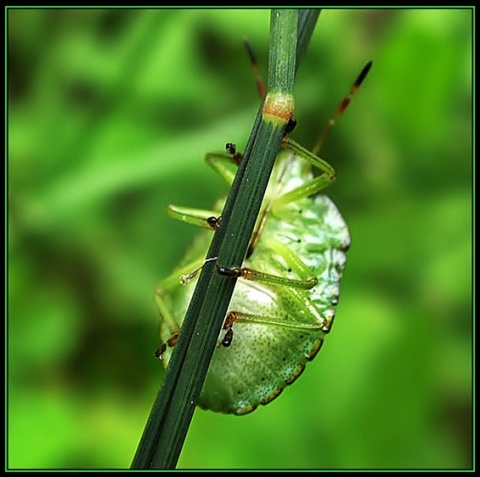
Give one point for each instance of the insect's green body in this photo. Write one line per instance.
(284, 299)
(282, 326)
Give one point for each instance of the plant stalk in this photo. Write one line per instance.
(172, 411)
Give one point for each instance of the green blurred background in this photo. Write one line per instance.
(110, 115)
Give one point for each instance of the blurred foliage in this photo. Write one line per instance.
(110, 113)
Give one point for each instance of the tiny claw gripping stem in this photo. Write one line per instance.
(236, 272)
(214, 222)
(233, 272)
(172, 341)
(291, 125)
(227, 325)
(227, 339)
(184, 279)
(160, 350)
(232, 149)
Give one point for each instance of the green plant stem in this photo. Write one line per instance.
(168, 423)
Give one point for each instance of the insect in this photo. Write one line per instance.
(283, 303)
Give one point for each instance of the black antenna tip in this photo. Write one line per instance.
(251, 54)
(363, 73)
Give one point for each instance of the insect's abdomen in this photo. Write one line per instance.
(260, 362)
(264, 358)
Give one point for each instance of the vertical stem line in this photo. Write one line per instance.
(168, 423)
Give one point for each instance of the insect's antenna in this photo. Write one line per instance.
(341, 108)
(255, 69)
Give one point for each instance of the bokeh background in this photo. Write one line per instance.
(110, 114)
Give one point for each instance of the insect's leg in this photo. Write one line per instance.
(319, 322)
(221, 162)
(310, 187)
(203, 218)
(305, 278)
(327, 172)
(169, 320)
(176, 279)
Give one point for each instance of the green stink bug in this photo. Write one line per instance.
(283, 304)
